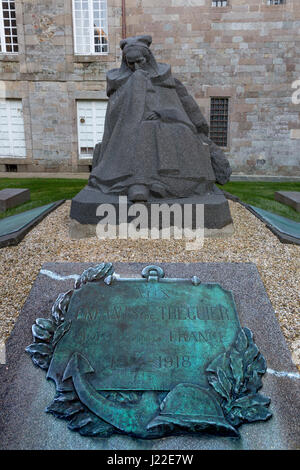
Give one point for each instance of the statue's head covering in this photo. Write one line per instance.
(139, 42)
(117, 77)
(142, 41)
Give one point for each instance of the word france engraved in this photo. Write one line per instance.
(149, 357)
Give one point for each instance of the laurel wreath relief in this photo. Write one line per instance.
(236, 377)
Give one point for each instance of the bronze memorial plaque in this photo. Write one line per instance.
(148, 355)
(147, 335)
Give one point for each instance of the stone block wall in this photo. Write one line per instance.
(49, 78)
(248, 51)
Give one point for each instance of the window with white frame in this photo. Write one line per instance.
(8, 28)
(12, 135)
(90, 119)
(90, 27)
(219, 3)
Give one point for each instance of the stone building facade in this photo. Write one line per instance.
(244, 53)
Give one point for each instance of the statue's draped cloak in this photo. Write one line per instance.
(136, 150)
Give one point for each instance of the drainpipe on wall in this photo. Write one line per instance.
(123, 19)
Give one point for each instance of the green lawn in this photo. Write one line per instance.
(42, 191)
(46, 190)
(261, 194)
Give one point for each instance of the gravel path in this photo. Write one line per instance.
(278, 264)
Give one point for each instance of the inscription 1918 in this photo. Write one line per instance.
(156, 335)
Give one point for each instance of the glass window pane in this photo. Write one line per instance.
(10, 27)
(87, 32)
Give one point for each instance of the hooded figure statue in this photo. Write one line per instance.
(155, 140)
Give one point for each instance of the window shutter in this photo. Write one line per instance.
(12, 135)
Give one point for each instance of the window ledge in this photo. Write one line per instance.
(9, 57)
(93, 58)
(221, 9)
(11, 160)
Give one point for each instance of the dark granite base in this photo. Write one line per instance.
(216, 212)
(25, 392)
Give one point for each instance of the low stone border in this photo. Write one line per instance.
(283, 237)
(14, 238)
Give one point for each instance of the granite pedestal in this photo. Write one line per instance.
(25, 392)
(217, 217)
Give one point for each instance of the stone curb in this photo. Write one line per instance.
(14, 238)
(283, 237)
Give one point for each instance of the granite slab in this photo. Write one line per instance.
(25, 392)
(286, 230)
(216, 213)
(12, 197)
(14, 228)
(289, 198)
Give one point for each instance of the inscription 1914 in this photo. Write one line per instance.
(156, 343)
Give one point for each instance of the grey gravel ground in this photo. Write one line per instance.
(277, 263)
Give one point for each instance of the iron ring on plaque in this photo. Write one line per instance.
(153, 273)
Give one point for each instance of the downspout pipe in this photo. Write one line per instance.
(123, 19)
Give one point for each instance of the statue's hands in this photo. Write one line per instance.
(141, 71)
(152, 116)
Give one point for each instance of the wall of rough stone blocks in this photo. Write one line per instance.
(248, 51)
(49, 78)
